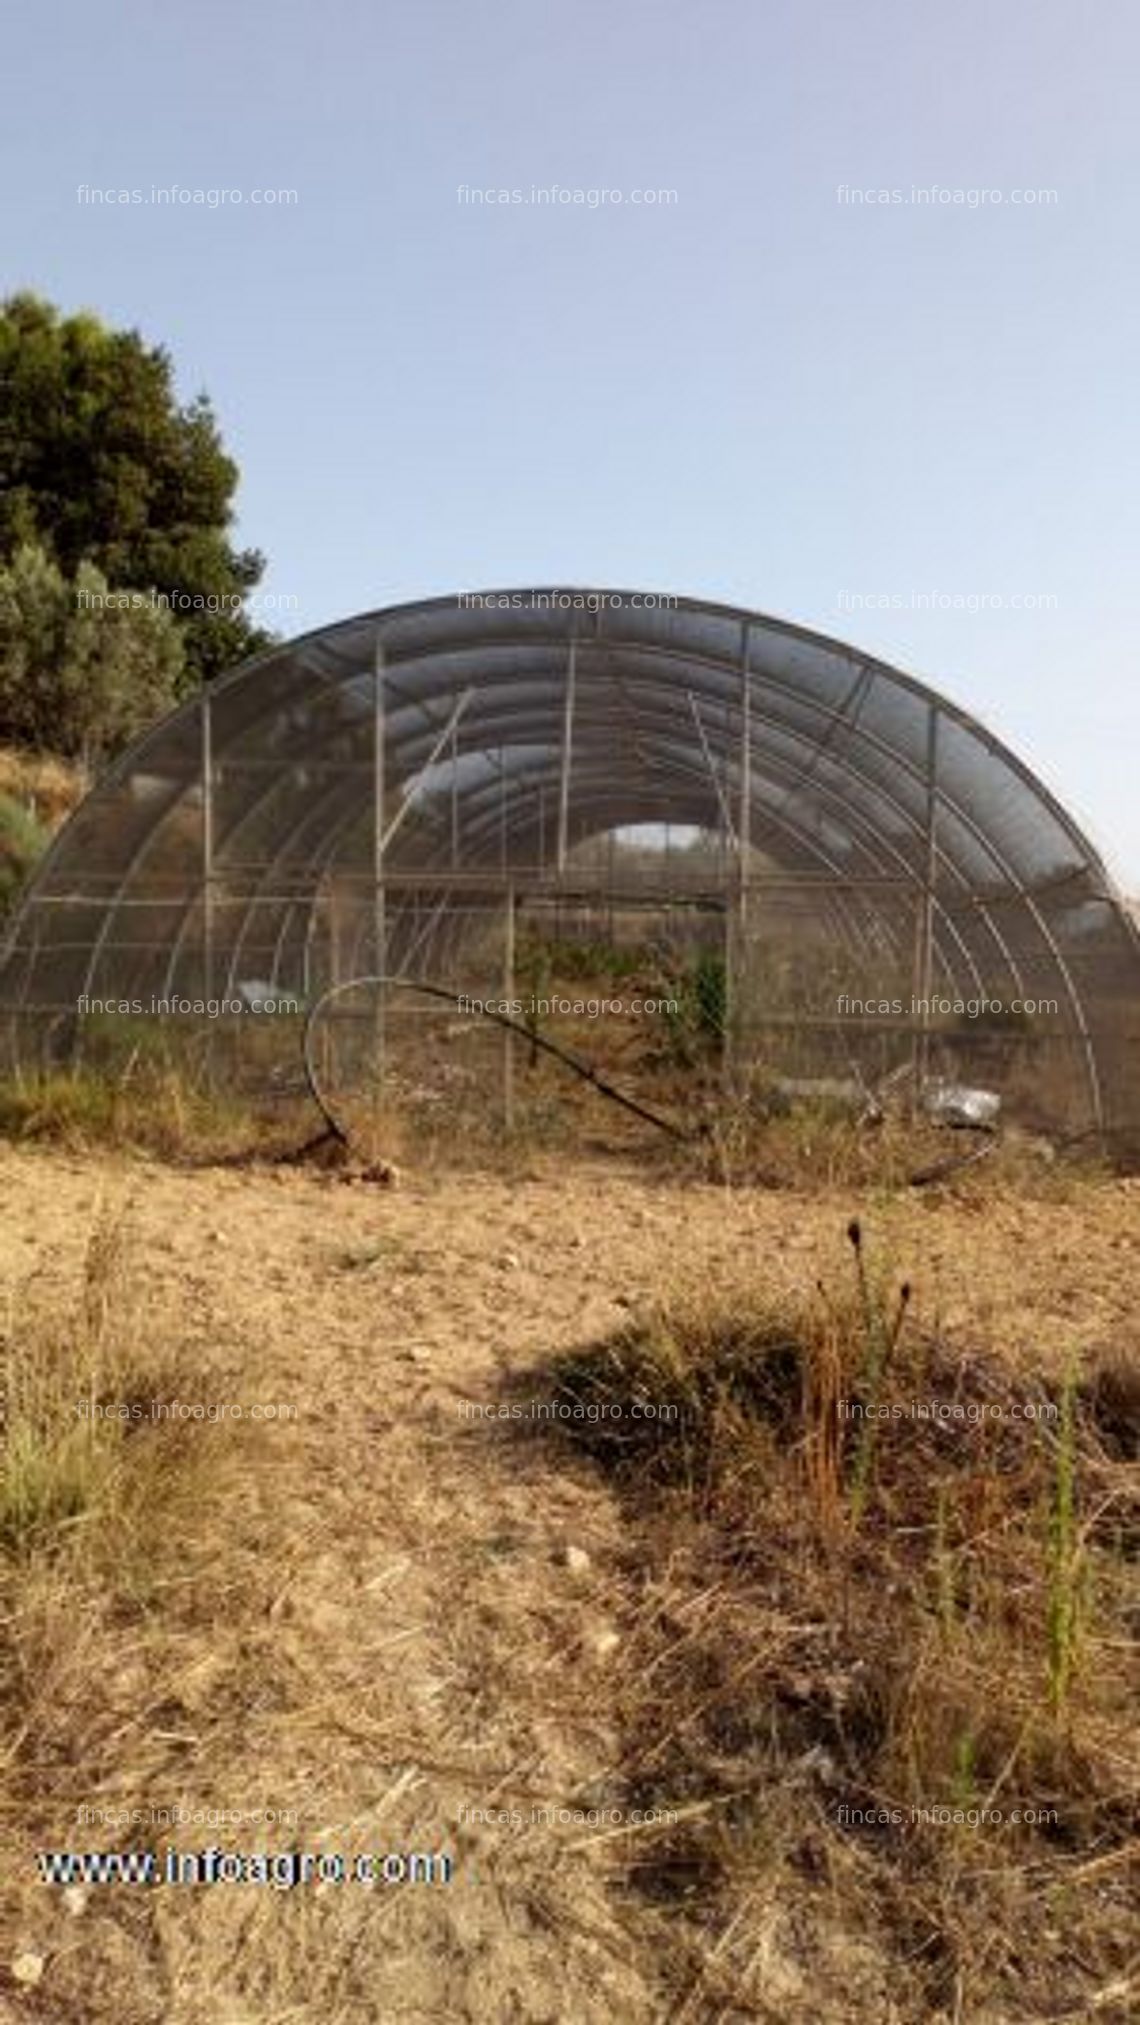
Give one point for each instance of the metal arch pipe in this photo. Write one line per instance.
(695, 636)
(834, 718)
(805, 842)
(687, 612)
(323, 859)
(872, 838)
(254, 810)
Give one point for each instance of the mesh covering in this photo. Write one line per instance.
(434, 756)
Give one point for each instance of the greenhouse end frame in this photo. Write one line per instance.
(370, 796)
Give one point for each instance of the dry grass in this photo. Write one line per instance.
(445, 1107)
(133, 1585)
(821, 1144)
(881, 1617)
(157, 1107)
(371, 1616)
(207, 1615)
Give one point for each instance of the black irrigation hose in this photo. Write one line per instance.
(941, 1171)
(586, 1070)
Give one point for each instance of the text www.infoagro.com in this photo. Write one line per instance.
(283, 1870)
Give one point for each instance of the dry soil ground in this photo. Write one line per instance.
(424, 1651)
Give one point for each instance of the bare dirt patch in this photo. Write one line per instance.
(435, 1618)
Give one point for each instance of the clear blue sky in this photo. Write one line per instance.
(760, 392)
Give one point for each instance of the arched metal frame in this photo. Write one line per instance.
(469, 743)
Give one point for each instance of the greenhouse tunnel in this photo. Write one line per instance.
(377, 796)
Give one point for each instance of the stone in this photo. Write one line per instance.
(575, 1560)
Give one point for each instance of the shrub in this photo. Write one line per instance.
(78, 676)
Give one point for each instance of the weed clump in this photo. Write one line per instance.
(877, 1641)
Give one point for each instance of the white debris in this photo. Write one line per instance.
(958, 1104)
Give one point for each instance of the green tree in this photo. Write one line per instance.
(100, 464)
(82, 670)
